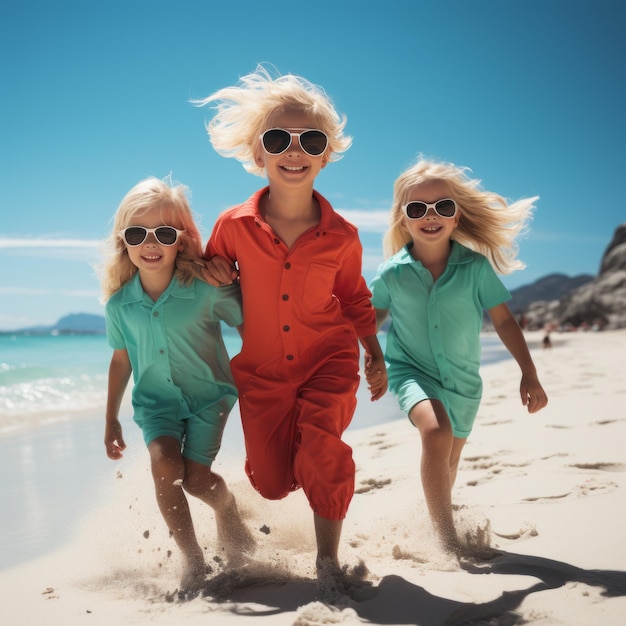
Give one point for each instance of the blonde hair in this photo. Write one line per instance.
(487, 224)
(117, 268)
(246, 110)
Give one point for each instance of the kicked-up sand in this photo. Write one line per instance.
(546, 492)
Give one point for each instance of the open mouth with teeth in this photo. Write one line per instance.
(292, 168)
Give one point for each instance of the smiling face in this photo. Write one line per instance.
(293, 167)
(432, 229)
(151, 257)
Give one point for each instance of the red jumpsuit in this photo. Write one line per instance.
(297, 373)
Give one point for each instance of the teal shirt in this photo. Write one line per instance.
(175, 345)
(435, 326)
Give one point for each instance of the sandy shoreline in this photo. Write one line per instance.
(548, 491)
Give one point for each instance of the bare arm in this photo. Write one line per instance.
(119, 375)
(219, 271)
(374, 367)
(381, 316)
(531, 392)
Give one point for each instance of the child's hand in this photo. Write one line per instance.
(376, 376)
(220, 272)
(532, 393)
(113, 440)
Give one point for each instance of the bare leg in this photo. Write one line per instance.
(434, 426)
(331, 579)
(335, 581)
(210, 487)
(327, 534)
(455, 457)
(168, 471)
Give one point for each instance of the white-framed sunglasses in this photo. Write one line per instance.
(277, 140)
(416, 209)
(136, 235)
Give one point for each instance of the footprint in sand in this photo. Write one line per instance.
(371, 483)
(553, 456)
(403, 555)
(497, 422)
(606, 422)
(523, 533)
(605, 467)
(380, 442)
(591, 486)
(493, 468)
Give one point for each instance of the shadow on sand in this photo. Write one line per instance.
(397, 601)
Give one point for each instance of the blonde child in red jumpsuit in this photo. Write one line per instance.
(305, 302)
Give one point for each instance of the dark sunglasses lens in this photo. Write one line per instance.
(416, 210)
(135, 235)
(446, 208)
(313, 142)
(166, 235)
(276, 141)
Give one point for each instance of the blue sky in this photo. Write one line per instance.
(95, 96)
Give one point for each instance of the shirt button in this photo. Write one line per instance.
(276, 240)
(285, 296)
(161, 351)
(156, 314)
(287, 266)
(286, 328)
(290, 357)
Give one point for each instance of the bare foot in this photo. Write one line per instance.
(475, 546)
(335, 583)
(232, 533)
(451, 545)
(194, 574)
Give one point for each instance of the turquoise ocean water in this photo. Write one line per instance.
(47, 379)
(52, 459)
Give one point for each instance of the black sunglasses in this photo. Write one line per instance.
(278, 140)
(416, 210)
(136, 235)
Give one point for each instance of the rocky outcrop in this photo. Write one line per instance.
(600, 303)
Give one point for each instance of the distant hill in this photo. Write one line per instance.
(548, 288)
(79, 324)
(74, 324)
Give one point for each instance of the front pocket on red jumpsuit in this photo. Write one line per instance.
(317, 288)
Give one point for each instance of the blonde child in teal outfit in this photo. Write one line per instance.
(446, 240)
(164, 327)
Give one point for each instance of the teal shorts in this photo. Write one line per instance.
(200, 435)
(461, 410)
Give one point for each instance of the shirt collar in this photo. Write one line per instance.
(330, 220)
(458, 254)
(133, 291)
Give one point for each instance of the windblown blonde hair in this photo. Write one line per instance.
(246, 110)
(117, 268)
(487, 224)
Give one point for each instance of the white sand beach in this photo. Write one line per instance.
(547, 491)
